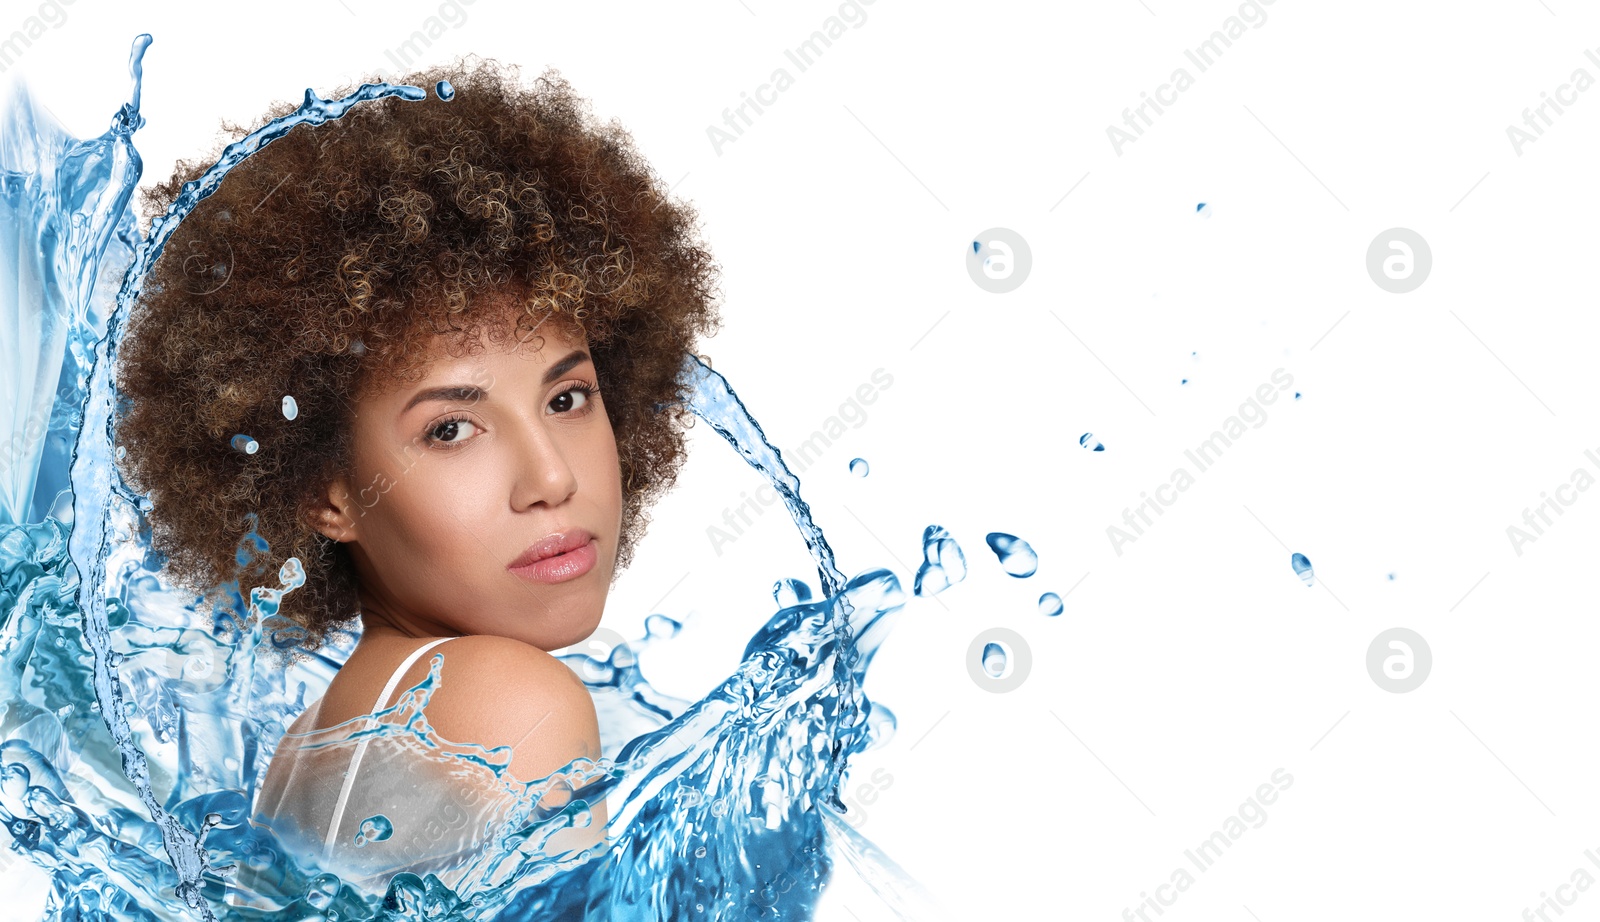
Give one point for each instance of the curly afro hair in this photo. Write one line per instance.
(325, 264)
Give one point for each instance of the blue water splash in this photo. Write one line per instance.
(291, 409)
(858, 467)
(1050, 604)
(1088, 441)
(790, 592)
(133, 754)
(994, 659)
(1302, 567)
(943, 564)
(374, 829)
(1016, 555)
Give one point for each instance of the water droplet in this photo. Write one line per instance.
(700, 852)
(292, 574)
(245, 444)
(1302, 567)
(1297, 395)
(213, 819)
(374, 829)
(1088, 441)
(858, 467)
(290, 408)
(445, 91)
(943, 564)
(1203, 210)
(358, 347)
(1391, 577)
(994, 659)
(265, 600)
(1050, 604)
(1184, 381)
(790, 592)
(121, 452)
(1016, 555)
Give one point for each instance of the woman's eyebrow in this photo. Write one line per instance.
(473, 393)
(573, 360)
(450, 392)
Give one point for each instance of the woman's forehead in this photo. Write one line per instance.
(448, 357)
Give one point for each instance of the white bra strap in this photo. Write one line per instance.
(361, 747)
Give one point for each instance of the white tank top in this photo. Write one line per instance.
(361, 747)
(340, 787)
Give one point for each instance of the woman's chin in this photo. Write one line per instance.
(550, 641)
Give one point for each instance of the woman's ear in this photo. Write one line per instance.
(336, 513)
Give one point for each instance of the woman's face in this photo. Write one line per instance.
(457, 475)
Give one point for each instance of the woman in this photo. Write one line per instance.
(430, 349)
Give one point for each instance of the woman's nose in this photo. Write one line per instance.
(542, 471)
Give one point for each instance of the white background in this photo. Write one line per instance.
(1188, 668)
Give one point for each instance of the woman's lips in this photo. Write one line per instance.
(561, 567)
(550, 545)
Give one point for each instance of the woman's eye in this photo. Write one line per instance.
(447, 431)
(570, 400)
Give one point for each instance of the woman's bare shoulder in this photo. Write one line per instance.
(497, 691)
(504, 659)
